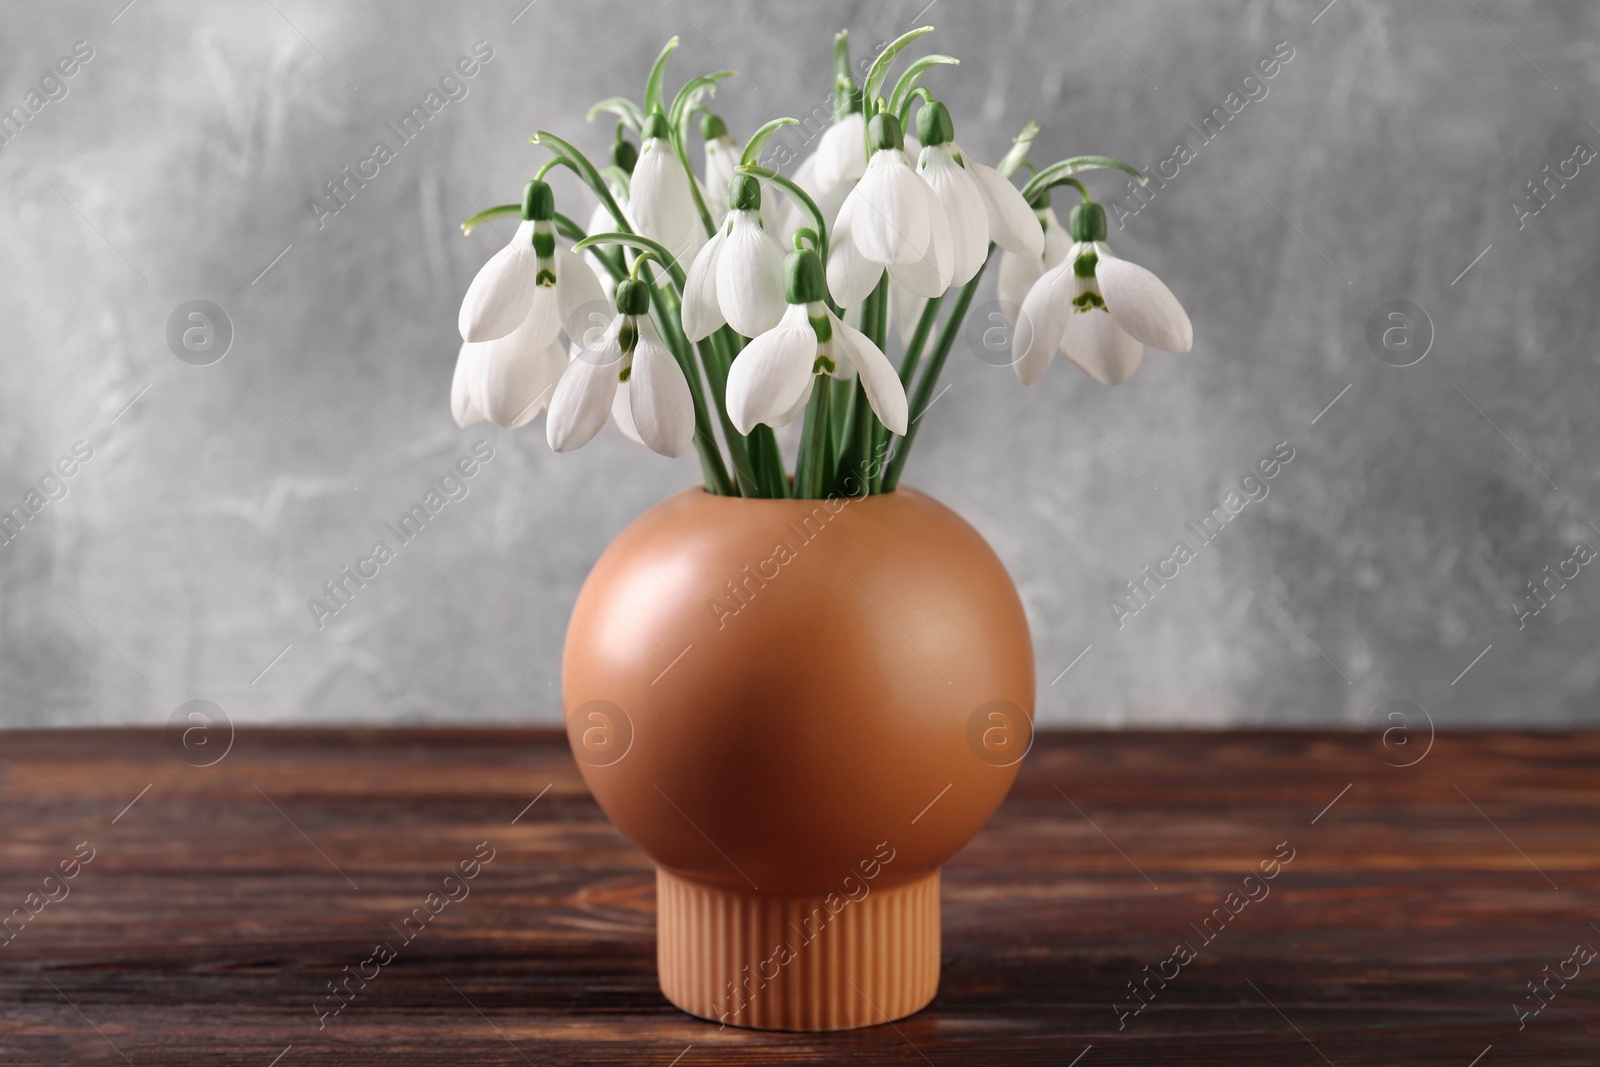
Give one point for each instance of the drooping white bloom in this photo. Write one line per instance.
(738, 276)
(1099, 311)
(963, 206)
(632, 352)
(1012, 223)
(517, 282)
(893, 220)
(772, 378)
(661, 199)
(509, 380)
(531, 287)
(1019, 271)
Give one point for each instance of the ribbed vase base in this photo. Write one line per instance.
(798, 963)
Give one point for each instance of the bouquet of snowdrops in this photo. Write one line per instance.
(683, 313)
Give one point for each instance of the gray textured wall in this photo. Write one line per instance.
(1384, 159)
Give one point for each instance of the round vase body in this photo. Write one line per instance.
(800, 709)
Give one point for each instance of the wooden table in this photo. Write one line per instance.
(221, 901)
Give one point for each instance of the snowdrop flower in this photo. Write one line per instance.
(661, 199)
(629, 358)
(496, 381)
(893, 220)
(1098, 310)
(517, 288)
(509, 380)
(771, 380)
(722, 162)
(1018, 272)
(737, 278)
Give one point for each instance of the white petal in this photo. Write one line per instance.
(514, 387)
(702, 315)
(1057, 241)
(722, 156)
(622, 412)
(769, 375)
(662, 203)
(1141, 305)
(1012, 223)
(799, 405)
(582, 398)
(498, 298)
(884, 391)
(842, 152)
(1042, 322)
(906, 310)
(580, 298)
(1017, 275)
(891, 218)
(462, 407)
(963, 206)
(851, 275)
(1099, 347)
(750, 277)
(663, 410)
(930, 276)
(543, 323)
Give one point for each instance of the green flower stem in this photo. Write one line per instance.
(880, 66)
(1057, 173)
(489, 213)
(930, 376)
(716, 362)
(900, 99)
(751, 155)
(658, 72)
(852, 478)
(571, 157)
(674, 271)
(908, 370)
(842, 393)
(711, 465)
(809, 471)
(629, 112)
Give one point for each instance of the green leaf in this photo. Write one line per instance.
(880, 66)
(900, 99)
(752, 149)
(623, 108)
(652, 88)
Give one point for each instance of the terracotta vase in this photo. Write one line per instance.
(800, 709)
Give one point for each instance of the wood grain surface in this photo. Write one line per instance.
(218, 907)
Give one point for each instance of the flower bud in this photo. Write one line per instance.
(712, 127)
(884, 131)
(633, 297)
(934, 125)
(655, 125)
(1087, 222)
(624, 155)
(803, 279)
(538, 201)
(744, 193)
